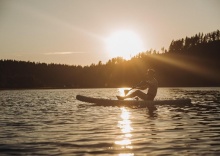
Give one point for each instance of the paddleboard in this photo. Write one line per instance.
(138, 103)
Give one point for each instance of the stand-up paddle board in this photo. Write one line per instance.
(139, 103)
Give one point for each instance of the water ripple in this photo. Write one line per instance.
(53, 122)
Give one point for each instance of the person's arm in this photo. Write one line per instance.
(144, 85)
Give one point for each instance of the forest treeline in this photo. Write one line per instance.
(188, 62)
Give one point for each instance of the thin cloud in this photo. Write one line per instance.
(63, 53)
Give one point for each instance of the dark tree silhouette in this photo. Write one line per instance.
(190, 61)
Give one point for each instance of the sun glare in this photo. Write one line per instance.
(124, 44)
(125, 125)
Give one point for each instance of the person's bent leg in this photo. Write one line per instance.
(133, 94)
(137, 93)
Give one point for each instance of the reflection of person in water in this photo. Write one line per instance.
(150, 83)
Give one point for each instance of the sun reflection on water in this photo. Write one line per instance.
(125, 125)
(121, 91)
(126, 154)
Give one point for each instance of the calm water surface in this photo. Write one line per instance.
(53, 122)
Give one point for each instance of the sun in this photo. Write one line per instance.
(124, 44)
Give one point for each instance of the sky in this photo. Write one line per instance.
(82, 32)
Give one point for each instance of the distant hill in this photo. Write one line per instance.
(189, 62)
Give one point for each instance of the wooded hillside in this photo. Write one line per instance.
(191, 61)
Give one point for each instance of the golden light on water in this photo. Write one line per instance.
(125, 125)
(121, 91)
(123, 142)
(126, 154)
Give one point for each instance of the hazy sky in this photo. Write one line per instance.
(75, 31)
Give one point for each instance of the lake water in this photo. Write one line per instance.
(53, 122)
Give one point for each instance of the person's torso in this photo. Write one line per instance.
(153, 85)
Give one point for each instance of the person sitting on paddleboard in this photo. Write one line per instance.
(150, 83)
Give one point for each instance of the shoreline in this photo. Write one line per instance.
(56, 88)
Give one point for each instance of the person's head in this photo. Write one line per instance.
(150, 73)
